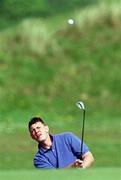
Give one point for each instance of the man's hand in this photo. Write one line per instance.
(77, 164)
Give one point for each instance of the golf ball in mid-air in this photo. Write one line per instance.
(70, 21)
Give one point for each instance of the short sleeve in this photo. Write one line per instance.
(75, 143)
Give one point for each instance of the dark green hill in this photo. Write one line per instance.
(12, 12)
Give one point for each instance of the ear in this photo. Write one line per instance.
(47, 129)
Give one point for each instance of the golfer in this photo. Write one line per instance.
(58, 151)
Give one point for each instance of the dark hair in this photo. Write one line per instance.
(34, 120)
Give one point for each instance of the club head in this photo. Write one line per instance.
(80, 105)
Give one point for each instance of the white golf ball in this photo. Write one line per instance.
(70, 21)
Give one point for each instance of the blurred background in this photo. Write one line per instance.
(47, 65)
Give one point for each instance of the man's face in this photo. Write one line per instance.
(39, 132)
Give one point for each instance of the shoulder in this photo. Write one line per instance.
(37, 156)
(41, 161)
(65, 136)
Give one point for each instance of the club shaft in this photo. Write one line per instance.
(82, 135)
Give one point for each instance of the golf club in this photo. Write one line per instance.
(80, 105)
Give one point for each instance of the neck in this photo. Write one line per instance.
(47, 143)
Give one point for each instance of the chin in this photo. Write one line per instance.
(41, 139)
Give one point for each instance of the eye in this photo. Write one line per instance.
(31, 130)
(38, 127)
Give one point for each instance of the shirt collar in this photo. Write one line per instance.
(43, 150)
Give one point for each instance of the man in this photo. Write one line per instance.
(58, 151)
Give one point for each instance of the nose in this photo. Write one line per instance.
(36, 130)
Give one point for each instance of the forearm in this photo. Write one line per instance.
(88, 160)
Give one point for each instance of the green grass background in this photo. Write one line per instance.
(46, 66)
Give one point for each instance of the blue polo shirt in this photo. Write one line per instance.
(65, 150)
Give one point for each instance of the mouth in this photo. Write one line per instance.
(39, 134)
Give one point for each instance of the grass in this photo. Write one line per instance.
(91, 174)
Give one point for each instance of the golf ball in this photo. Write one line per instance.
(70, 21)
